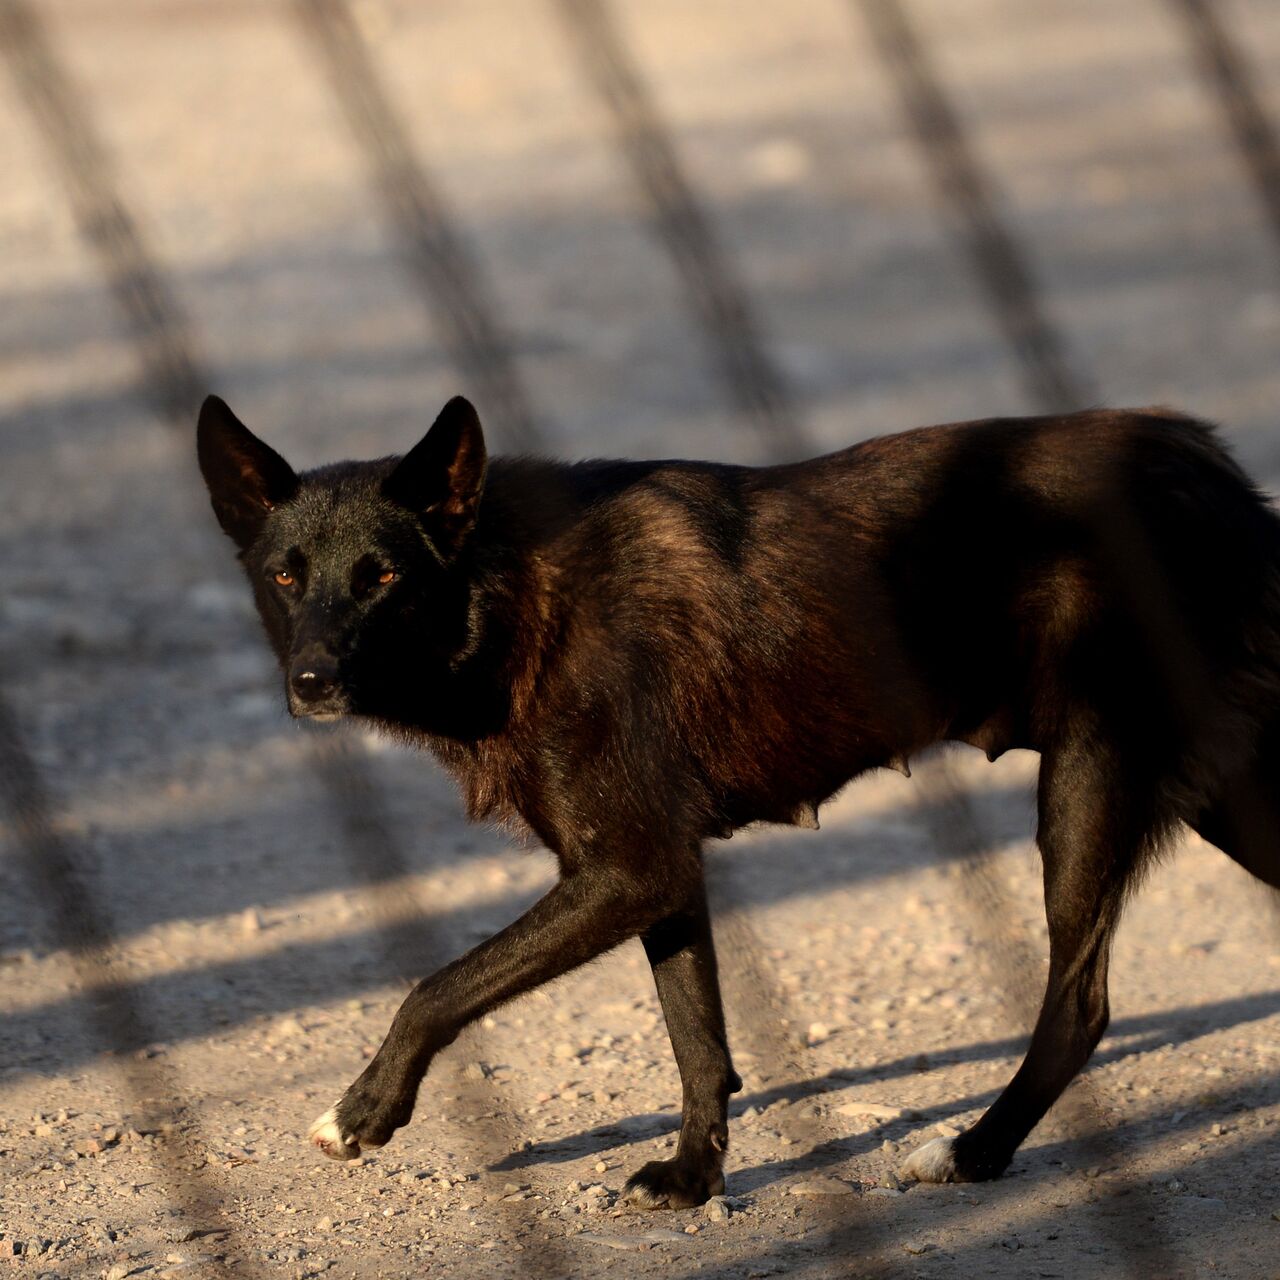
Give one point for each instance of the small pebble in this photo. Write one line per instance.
(717, 1209)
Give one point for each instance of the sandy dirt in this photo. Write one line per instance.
(873, 995)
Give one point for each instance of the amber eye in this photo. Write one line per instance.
(283, 579)
(387, 576)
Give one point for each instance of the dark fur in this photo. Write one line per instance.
(631, 657)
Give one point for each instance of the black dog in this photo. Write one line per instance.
(631, 657)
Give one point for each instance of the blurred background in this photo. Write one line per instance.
(745, 232)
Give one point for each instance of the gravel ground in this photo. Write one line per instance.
(872, 996)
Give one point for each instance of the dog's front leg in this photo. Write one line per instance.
(584, 916)
(683, 957)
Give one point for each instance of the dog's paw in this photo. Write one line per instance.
(671, 1184)
(934, 1162)
(962, 1159)
(358, 1120)
(326, 1134)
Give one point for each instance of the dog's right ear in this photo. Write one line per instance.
(247, 479)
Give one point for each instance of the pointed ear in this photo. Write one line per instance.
(247, 479)
(442, 477)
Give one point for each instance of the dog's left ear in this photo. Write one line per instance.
(442, 477)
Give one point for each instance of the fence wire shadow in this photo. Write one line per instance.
(717, 299)
(1227, 74)
(434, 248)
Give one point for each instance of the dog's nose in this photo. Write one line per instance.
(313, 677)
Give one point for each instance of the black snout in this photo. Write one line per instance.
(313, 676)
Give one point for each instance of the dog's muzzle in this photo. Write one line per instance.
(314, 688)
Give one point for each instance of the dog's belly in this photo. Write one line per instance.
(793, 796)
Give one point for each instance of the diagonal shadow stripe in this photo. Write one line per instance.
(434, 247)
(717, 299)
(967, 198)
(1227, 74)
(172, 381)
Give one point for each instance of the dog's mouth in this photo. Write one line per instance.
(320, 711)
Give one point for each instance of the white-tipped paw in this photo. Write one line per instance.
(326, 1135)
(934, 1162)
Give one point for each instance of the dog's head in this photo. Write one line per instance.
(359, 569)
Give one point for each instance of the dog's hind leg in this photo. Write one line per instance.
(682, 954)
(1091, 839)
